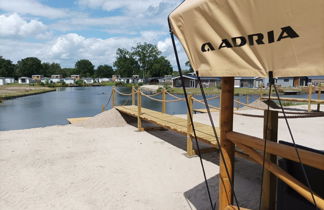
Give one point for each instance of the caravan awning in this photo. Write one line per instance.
(252, 37)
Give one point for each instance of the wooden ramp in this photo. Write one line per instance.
(204, 132)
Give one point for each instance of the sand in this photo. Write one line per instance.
(107, 119)
(74, 167)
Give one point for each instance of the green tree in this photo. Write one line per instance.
(161, 67)
(104, 71)
(146, 54)
(125, 64)
(7, 69)
(85, 68)
(29, 66)
(190, 67)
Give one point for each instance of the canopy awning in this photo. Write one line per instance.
(252, 37)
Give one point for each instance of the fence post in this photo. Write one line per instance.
(113, 97)
(319, 91)
(163, 101)
(133, 95)
(190, 151)
(102, 108)
(260, 91)
(139, 110)
(270, 133)
(227, 147)
(310, 91)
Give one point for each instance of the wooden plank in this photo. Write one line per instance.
(76, 120)
(178, 124)
(231, 207)
(309, 158)
(227, 147)
(284, 176)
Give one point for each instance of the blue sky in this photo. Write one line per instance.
(66, 31)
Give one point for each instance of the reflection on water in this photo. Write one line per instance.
(54, 107)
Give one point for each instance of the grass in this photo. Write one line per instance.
(17, 90)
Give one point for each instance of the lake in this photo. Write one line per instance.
(54, 107)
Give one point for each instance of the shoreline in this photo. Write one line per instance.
(23, 93)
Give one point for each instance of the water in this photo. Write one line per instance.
(54, 107)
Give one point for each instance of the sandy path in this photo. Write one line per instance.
(68, 167)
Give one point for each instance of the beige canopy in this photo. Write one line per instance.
(252, 37)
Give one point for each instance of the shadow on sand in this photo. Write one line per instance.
(247, 174)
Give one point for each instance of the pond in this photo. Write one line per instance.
(54, 108)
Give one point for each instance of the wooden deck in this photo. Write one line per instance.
(204, 132)
(76, 120)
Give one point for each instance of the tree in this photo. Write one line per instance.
(125, 64)
(85, 68)
(104, 71)
(146, 54)
(161, 67)
(190, 67)
(7, 69)
(29, 66)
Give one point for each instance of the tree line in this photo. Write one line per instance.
(144, 60)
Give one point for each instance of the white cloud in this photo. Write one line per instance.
(31, 7)
(15, 26)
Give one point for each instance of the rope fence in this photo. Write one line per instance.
(115, 91)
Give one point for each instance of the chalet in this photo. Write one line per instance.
(56, 76)
(25, 80)
(88, 80)
(248, 82)
(2, 81)
(316, 80)
(191, 81)
(69, 81)
(9, 80)
(75, 77)
(115, 78)
(37, 77)
(100, 80)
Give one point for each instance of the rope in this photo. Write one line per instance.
(296, 149)
(208, 99)
(160, 100)
(155, 94)
(190, 115)
(123, 94)
(174, 96)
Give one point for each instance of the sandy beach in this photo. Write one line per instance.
(84, 167)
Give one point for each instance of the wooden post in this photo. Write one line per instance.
(237, 104)
(270, 133)
(139, 110)
(133, 95)
(102, 108)
(190, 151)
(227, 147)
(319, 91)
(247, 99)
(113, 97)
(163, 100)
(310, 91)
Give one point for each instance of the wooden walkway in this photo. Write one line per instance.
(204, 132)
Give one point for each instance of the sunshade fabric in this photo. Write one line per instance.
(288, 36)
